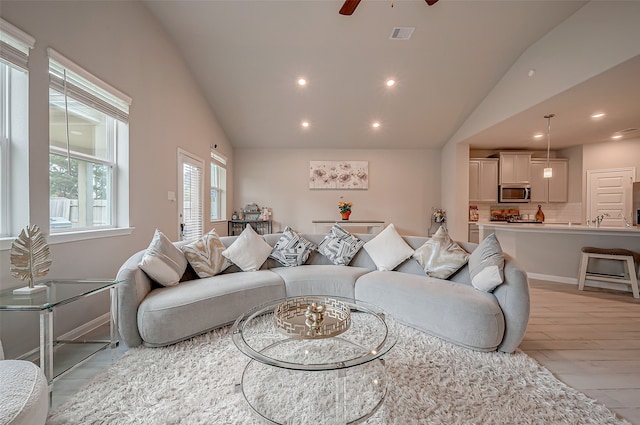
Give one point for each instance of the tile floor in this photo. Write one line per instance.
(590, 340)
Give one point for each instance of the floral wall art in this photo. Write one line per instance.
(339, 175)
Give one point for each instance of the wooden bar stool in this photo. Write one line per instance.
(629, 258)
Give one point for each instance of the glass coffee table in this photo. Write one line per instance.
(314, 359)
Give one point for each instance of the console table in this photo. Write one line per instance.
(58, 293)
(372, 226)
(235, 227)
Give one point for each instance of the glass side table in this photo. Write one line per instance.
(59, 293)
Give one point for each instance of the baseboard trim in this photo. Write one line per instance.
(553, 278)
(574, 281)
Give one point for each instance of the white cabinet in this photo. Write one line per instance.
(515, 167)
(474, 233)
(483, 180)
(554, 189)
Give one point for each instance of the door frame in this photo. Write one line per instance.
(183, 157)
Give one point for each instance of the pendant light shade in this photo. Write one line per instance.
(548, 172)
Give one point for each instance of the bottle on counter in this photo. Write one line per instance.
(540, 214)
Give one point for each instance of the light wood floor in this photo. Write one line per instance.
(590, 340)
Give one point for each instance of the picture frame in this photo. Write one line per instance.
(342, 175)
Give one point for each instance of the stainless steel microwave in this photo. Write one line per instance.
(510, 193)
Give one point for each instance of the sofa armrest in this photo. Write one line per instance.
(133, 288)
(514, 299)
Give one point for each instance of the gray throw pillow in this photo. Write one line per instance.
(292, 249)
(162, 261)
(486, 264)
(440, 256)
(340, 246)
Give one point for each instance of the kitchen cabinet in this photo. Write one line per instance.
(474, 233)
(554, 189)
(515, 167)
(483, 180)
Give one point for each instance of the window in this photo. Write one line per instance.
(14, 128)
(218, 187)
(88, 125)
(190, 195)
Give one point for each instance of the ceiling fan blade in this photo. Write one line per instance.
(349, 7)
(431, 2)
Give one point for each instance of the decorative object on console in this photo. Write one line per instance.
(473, 213)
(540, 214)
(345, 209)
(439, 215)
(251, 212)
(162, 261)
(339, 175)
(440, 256)
(30, 258)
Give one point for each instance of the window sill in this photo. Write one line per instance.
(56, 238)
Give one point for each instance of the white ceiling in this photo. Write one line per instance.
(247, 56)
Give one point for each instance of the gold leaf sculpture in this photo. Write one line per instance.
(30, 255)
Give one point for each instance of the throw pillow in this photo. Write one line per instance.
(387, 249)
(205, 255)
(162, 261)
(486, 264)
(249, 251)
(340, 246)
(292, 249)
(440, 256)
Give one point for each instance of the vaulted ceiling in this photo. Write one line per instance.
(248, 55)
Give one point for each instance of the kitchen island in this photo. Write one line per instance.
(552, 251)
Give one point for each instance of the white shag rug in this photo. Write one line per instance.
(430, 382)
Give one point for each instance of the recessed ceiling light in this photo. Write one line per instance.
(617, 136)
(375, 124)
(531, 72)
(390, 82)
(305, 124)
(598, 115)
(538, 136)
(302, 82)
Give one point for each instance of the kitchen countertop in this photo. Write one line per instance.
(560, 228)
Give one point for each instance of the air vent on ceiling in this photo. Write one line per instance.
(401, 33)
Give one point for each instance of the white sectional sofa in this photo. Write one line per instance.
(450, 309)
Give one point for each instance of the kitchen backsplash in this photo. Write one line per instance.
(553, 213)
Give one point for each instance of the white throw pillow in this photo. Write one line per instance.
(486, 264)
(162, 261)
(249, 251)
(388, 249)
(205, 255)
(440, 256)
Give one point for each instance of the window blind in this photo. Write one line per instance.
(192, 201)
(15, 45)
(86, 88)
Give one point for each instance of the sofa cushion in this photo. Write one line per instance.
(339, 246)
(162, 261)
(249, 251)
(387, 249)
(24, 396)
(337, 281)
(486, 264)
(205, 255)
(169, 315)
(292, 249)
(440, 256)
(452, 311)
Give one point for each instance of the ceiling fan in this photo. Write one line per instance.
(349, 6)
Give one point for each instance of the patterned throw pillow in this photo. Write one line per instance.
(292, 249)
(440, 256)
(249, 251)
(388, 249)
(340, 246)
(205, 255)
(486, 264)
(162, 261)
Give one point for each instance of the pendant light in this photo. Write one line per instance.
(548, 172)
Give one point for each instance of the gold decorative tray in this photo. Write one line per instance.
(312, 317)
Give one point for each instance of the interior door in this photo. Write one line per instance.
(609, 192)
(190, 195)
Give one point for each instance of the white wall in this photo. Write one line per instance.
(404, 185)
(122, 44)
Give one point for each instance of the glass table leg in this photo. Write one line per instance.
(341, 390)
(46, 347)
